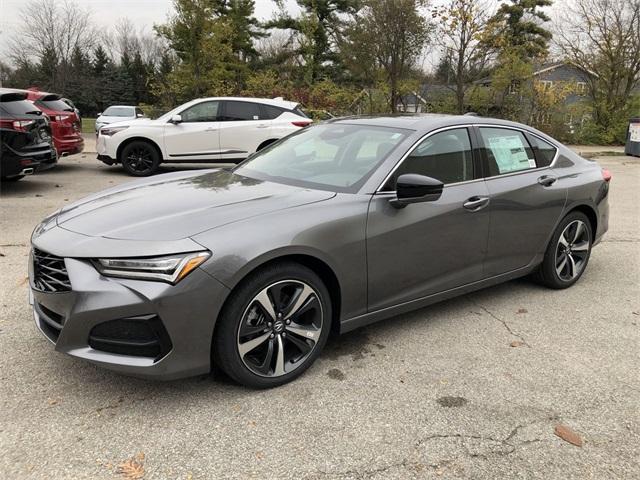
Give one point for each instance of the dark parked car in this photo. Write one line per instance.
(25, 137)
(334, 227)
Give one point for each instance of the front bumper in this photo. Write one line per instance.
(185, 312)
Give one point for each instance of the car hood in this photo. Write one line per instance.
(179, 205)
(120, 122)
(106, 119)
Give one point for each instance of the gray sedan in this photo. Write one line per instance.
(334, 227)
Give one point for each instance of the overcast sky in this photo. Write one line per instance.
(106, 13)
(144, 13)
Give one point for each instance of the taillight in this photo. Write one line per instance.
(18, 125)
(301, 123)
(59, 118)
(606, 175)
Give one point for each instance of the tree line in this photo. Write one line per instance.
(343, 56)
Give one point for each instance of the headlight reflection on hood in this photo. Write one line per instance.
(168, 268)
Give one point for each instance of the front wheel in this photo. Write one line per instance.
(140, 158)
(568, 252)
(274, 326)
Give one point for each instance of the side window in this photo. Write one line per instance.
(271, 112)
(445, 156)
(201, 112)
(544, 151)
(235, 111)
(507, 151)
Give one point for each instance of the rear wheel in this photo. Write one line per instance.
(274, 326)
(140, 158)
(568, 252)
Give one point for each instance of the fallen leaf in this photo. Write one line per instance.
(522, 310)
(53, 402)
(568, 435)
(259, 455)
(132, 469)
(517, 343)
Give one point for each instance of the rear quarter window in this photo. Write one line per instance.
(544, 151)
(270, 112)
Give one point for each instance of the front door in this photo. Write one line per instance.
(527, 198)
(197, 136)
(427, 248)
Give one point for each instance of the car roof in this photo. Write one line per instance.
(36, 94)
(276, 102)
(424, 121)
(120, 106)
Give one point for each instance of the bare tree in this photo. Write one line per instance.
(51, 32)
(461, 23)
(602, 37)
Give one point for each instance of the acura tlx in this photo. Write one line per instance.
(336, 226)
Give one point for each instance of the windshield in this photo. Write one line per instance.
(338, 157)
(119, 112)
(20, 107)
(55, 105)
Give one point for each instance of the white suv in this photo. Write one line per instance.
(215, 130)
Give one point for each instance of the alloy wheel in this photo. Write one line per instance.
(140, 159)
(572, 250)
(280, 328)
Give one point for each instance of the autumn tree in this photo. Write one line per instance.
(461, 24)
(602, 38)
(389, 35)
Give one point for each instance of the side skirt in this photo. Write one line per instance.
(384, 313)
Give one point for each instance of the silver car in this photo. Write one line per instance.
(118, 113)
(334, 227)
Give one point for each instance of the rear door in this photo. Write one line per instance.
(244, 127)
(197, 136)
(527, 198)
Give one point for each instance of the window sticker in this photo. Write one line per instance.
(634, 132)
(510, 153)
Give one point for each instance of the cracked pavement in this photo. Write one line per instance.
(470, 388)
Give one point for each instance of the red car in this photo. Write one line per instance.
(65, 123)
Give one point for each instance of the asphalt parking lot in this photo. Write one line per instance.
(470, 388)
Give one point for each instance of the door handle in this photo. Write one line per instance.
(210, 129)
(547, 180)
(262, 125)
(476, 203)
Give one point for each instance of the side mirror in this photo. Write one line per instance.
(176, 119)
(99, 114)
(139, 115)
(413, 188)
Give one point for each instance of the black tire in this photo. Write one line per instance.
(557, 268)
(140, 158)
(240, 312)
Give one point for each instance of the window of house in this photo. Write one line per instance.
(546, 84)
(581, 88)
(507, 151)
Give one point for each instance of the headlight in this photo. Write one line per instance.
(170, 268)
(109, 131)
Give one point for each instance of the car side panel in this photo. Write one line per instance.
(331, 231)
(523, 214)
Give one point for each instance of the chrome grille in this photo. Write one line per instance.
(49, 272)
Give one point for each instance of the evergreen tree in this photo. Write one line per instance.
(517, 27)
